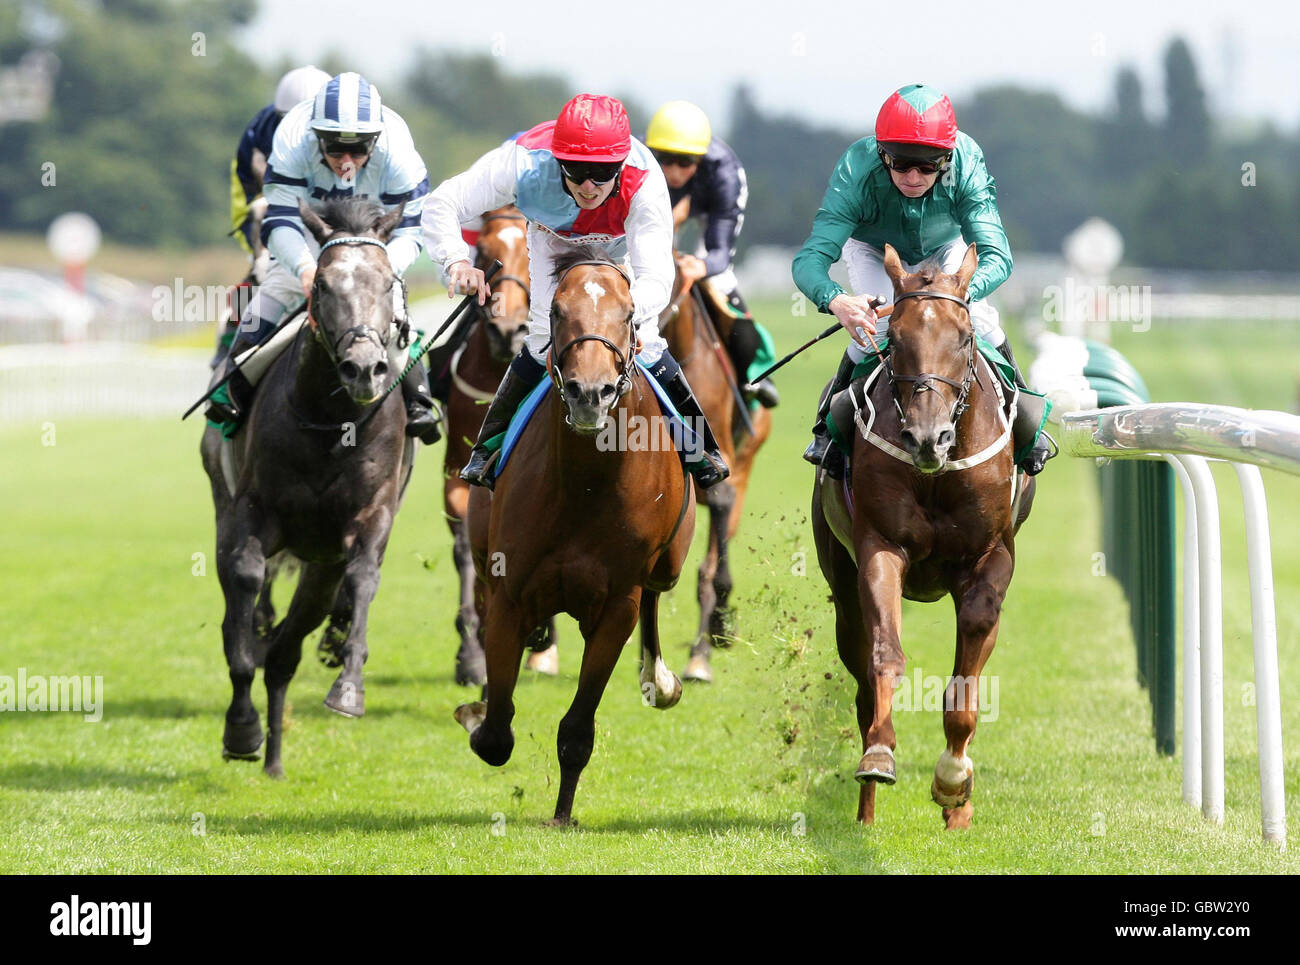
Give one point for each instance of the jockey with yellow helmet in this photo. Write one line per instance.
(920, 185)
(706, 180)
(581, 180)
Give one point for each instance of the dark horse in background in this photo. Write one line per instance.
(575, 527)
(936, 516)
(472, 371)
(318, 471)
(698, 347)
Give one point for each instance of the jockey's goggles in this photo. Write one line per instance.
(357, 147)
(669, 160)
(901, 164)
(597, 172)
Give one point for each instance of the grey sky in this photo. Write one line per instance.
(833, 62)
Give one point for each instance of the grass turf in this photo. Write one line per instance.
(751, 774)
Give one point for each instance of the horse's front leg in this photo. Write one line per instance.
(488, 720)
(660, 687)
(978, 598)
(243, 545)
(365, 541)
(471, 665)
(881, 572)
(714, 588)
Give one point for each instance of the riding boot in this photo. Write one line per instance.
(742, 346)
(712, 468)
(821, 452)
(520, 379)
(422, 417)
(1026, 425)
(229, 403)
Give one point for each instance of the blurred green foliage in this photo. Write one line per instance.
(151, 97)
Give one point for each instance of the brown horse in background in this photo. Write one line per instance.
(697, 344)
(937, 515)
(576, 526)
(476, 369)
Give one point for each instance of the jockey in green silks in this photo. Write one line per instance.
(920, 185)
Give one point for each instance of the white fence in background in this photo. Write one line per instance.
(1187, 436)
(45, 382)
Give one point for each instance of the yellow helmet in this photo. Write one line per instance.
(679, 127)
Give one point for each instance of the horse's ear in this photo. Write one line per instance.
(386, 224)
(968, 266)
(894, 267)
(315, 224)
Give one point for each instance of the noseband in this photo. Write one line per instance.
(334, 350)
(924, 382)
(624, 363)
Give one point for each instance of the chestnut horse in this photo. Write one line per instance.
(578, 526)
(697, 346)
(476, 370)
(932, 509)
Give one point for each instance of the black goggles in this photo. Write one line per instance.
(597, 172)
(334, 147)
(930, 165)
(669, 160)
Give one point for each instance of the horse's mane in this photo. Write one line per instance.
(352, 215)
(577, 256)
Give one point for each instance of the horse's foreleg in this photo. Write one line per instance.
(366, 545)
(471, 666)
(978, 598)
(577, 732)
(241, 568)
(660, 687)
(490, 736)
(714, 587)
(311, 602)
(880, 595)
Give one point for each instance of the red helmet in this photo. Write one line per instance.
(917, 114)
(592, 128)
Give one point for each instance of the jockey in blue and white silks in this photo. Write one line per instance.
(343, 144)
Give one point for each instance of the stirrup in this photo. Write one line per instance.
(1040, 455)
(478, 471)
(709, 471)
(423, 421)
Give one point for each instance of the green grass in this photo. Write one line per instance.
(97, 563)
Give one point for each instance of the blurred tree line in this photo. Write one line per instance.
(151, 97)
(1181, 191)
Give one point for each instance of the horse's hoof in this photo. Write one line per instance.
(471, 667)
(877, 764)
(722, 626)
(275, 770)
(958, 819)
(698, 669)
(470, 716)
(545, 661)
(666, 699)
(953, 779)
(330, 649)
(540, 639)
(242, 741)
(347, 698)
(557, 822)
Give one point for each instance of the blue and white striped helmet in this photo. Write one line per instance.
(348, 106)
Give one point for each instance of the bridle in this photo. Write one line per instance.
(335, 349)
(556, 358)
(483, 309)
(924, 381)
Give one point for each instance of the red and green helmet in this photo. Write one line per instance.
(919, 117)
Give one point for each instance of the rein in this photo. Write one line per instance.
(556, 358)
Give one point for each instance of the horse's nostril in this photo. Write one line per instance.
(607, 392)
(946, 437)
(909, 440)
(349, 370)
(572, 389)
(381, 369)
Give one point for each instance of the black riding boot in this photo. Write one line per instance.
(520, 379)
(742, 346)
(229, 404)
(422, 418)
(712, 469)
(1024, 428)
(821, 451)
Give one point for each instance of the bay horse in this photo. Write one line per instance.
(932, 509)
(575, 526)
(317, 470)
(475, 370)
(697, 345)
